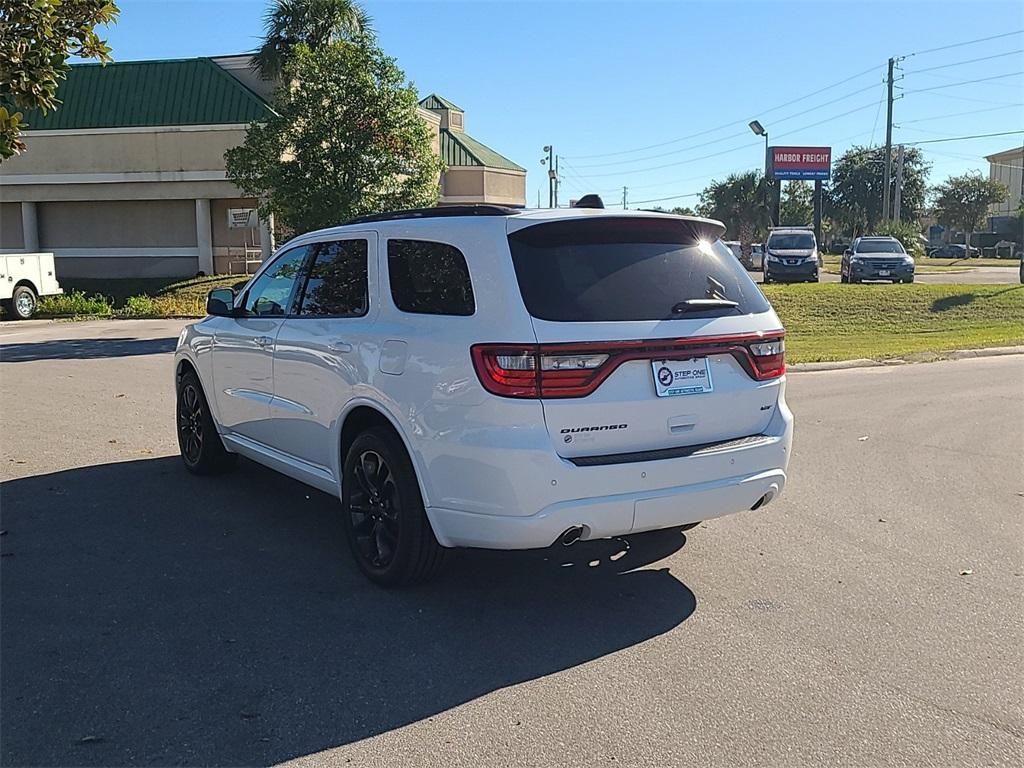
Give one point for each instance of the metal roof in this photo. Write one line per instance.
(435, 102)
(149, 93)
(460, 149)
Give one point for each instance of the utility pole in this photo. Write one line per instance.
(557, 181)
(552, 175)
(886, 173)
(899, 184)
(624, 191)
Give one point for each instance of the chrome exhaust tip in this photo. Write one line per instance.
(571, 535)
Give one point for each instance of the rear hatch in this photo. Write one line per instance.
(650, 335)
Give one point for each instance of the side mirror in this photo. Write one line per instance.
(847, 252)
(220, 302)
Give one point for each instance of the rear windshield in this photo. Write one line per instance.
(796, 242)
(879, 246)
(616, 269)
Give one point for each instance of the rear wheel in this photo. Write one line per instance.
(200, 444)
(387, 528)
(22, 304)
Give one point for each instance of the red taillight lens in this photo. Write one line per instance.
(576, 370)
(769, 358)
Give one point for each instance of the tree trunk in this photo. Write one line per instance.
(746, 238)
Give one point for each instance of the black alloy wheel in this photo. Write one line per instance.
(375, 509)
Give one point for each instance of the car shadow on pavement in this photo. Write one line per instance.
(151, 617)
(83, 349)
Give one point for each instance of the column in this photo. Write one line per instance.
(29, 227)
(266, 236)
(204, 236)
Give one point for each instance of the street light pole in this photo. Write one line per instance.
(769, 182)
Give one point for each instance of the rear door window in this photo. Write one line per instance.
(624, 269)
(429, 278)
(337, 282)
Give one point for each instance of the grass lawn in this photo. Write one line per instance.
(830, 321)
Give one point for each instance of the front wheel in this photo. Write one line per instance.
(22, 304)
(198, 441)
(382, 510)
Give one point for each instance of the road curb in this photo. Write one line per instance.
(956, 354)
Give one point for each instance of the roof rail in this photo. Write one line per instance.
(437, 213)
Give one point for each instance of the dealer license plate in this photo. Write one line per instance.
(682, 377)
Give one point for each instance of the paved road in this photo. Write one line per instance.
(973, 276)
(150, 617)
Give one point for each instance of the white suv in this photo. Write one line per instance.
(479, 376)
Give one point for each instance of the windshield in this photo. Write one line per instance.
(879, 246)
(792, 242)
(614, 269)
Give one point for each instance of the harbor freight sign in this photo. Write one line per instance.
(802, 163)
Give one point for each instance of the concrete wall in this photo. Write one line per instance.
(120, 224)
(463, 182)
(176, 148)
(222, 235)
(483, 185)
(126, 266)
(506, 187)
(10, 227)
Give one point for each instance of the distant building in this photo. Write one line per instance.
(127, 178)
(1006, 167)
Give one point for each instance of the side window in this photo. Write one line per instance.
(337, 286)
(429, 278)
(269, 296)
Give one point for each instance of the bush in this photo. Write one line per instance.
(139, 306)
(75, 303)
(905, 233)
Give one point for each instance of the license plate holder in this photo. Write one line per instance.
(682, 377)
(883, 273)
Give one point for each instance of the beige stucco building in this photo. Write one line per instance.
(127, 178)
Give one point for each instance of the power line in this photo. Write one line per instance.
(726, 125)
(965, 61)
(963, 43)
(963, 138)
(971, 99)
(958, 114)
(965, 82)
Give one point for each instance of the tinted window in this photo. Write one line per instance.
(794, 242)
(429, 278)
(625, 269)
(336, 285)
(879, 246)
(270, 294)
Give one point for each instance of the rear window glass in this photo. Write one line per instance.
(429, 278)
(879, 246)
(615, 269)
(793, 242)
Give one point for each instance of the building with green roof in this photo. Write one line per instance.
(127, 178)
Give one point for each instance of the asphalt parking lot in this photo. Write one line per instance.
(872, 616)
(971, 276)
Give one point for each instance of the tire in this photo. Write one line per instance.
(843, 278)
(909, 279)
(766, 278)
(199, 443)
(382, 512)
(22, 304)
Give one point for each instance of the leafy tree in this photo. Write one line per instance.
(906, 233)
(345, 141)
(683, 210)
(741, 203)
(36, 39)
(963, 201)
(854, 197)
(315, 23)
(797, 206)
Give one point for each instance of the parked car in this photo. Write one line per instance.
(736, 248)
(876, 258)
(791, 255)
(479, 376)
(24, 277)
(955, 251)
(756, 256)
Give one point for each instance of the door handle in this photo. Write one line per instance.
(263, 341)
(339, 346)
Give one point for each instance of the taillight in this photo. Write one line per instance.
(576, 370)
(769, 358)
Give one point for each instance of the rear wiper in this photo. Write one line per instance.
(698, 305)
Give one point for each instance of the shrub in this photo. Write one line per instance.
(905, 233)
(75, 303)
(139, 306)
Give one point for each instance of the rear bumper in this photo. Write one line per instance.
(605, 516)
(807, 270)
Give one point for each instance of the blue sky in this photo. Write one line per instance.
(683, 78)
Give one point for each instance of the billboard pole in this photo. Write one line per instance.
(817, 212)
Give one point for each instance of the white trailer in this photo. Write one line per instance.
(24, 277)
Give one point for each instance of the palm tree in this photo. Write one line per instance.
(741, 203)
(313, 22)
